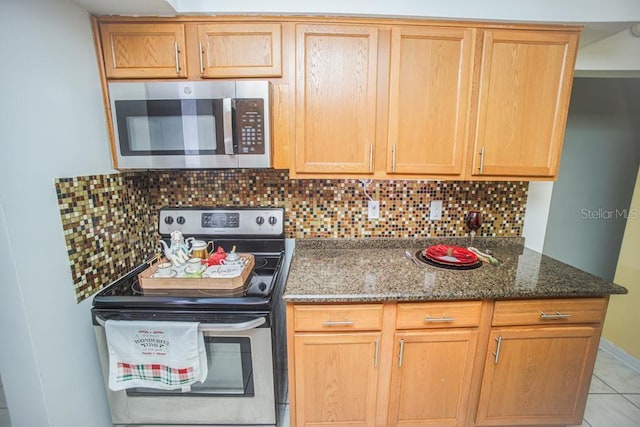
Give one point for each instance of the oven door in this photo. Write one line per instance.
(238, 390)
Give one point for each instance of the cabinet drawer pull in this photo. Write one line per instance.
(371, 158)
(175, 45)
(444, 318)
(375, 356)
(201, 62)
(401, 354)
(481, 160)
(497, 352)
(557, 315)
(338, 323)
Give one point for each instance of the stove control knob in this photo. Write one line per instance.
(262, 286)
(168, 220)
(259, 220)
(180, 220)
(273, 220)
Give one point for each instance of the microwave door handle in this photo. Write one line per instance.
(218, 327)
(227, 125)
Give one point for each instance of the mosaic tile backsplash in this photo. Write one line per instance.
(110, 220)
(106, 227)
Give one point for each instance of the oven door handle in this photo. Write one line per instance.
(219, 327)
(232, 327)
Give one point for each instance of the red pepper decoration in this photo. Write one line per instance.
(216, 257)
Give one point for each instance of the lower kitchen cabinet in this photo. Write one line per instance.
(455, 363)
(336, 379)
(537, 376)
(539, 361)
(430, 379)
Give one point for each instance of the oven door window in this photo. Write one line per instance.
(230, 371)
(170, 127)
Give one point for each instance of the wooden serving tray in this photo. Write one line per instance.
(206, 283)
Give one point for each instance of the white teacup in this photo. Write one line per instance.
(194, 265)
(163, 269)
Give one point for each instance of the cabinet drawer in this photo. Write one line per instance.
(438, 315)
(365, 317)
(549, 311)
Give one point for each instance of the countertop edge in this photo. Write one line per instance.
(560, 280)
(432, 298)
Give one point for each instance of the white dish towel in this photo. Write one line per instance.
(162, 355)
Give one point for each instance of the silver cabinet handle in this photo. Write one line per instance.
(338, 323)
(375, 356)
(557, 315)
(393, 158)
(201, 62)
(481, 160)
(444, 318)
(401, 354)
(497, 352)
(370, 157)
(175, 45)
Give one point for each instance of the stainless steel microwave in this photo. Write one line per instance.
(203, 124)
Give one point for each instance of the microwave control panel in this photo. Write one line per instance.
(249, 125)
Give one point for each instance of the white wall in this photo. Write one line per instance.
(537, 214)
(53, 125)
(617, 53)
(597, 175)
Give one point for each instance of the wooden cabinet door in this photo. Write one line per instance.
(429, 98)
(239, 50)
(336, 98)
(336, 379)
(537, 375)
(430, 378)
(133, 51)
(524, 90)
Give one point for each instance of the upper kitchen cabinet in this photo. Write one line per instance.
(143, 51)
(228, 50)
(429, 98)
(336, 82)
(524, 89)
(193, 50)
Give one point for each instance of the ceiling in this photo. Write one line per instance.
(596, 31)
(601, 19)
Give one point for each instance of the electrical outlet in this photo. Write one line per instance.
(374, 209)
(435, 210)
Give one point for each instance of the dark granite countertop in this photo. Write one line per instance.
(374, 270)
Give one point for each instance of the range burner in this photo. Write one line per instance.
(259, 231)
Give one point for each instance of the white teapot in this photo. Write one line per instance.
(179, 252)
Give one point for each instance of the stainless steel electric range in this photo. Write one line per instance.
(244, 335)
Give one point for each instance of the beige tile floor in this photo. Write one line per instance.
(614, 396)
